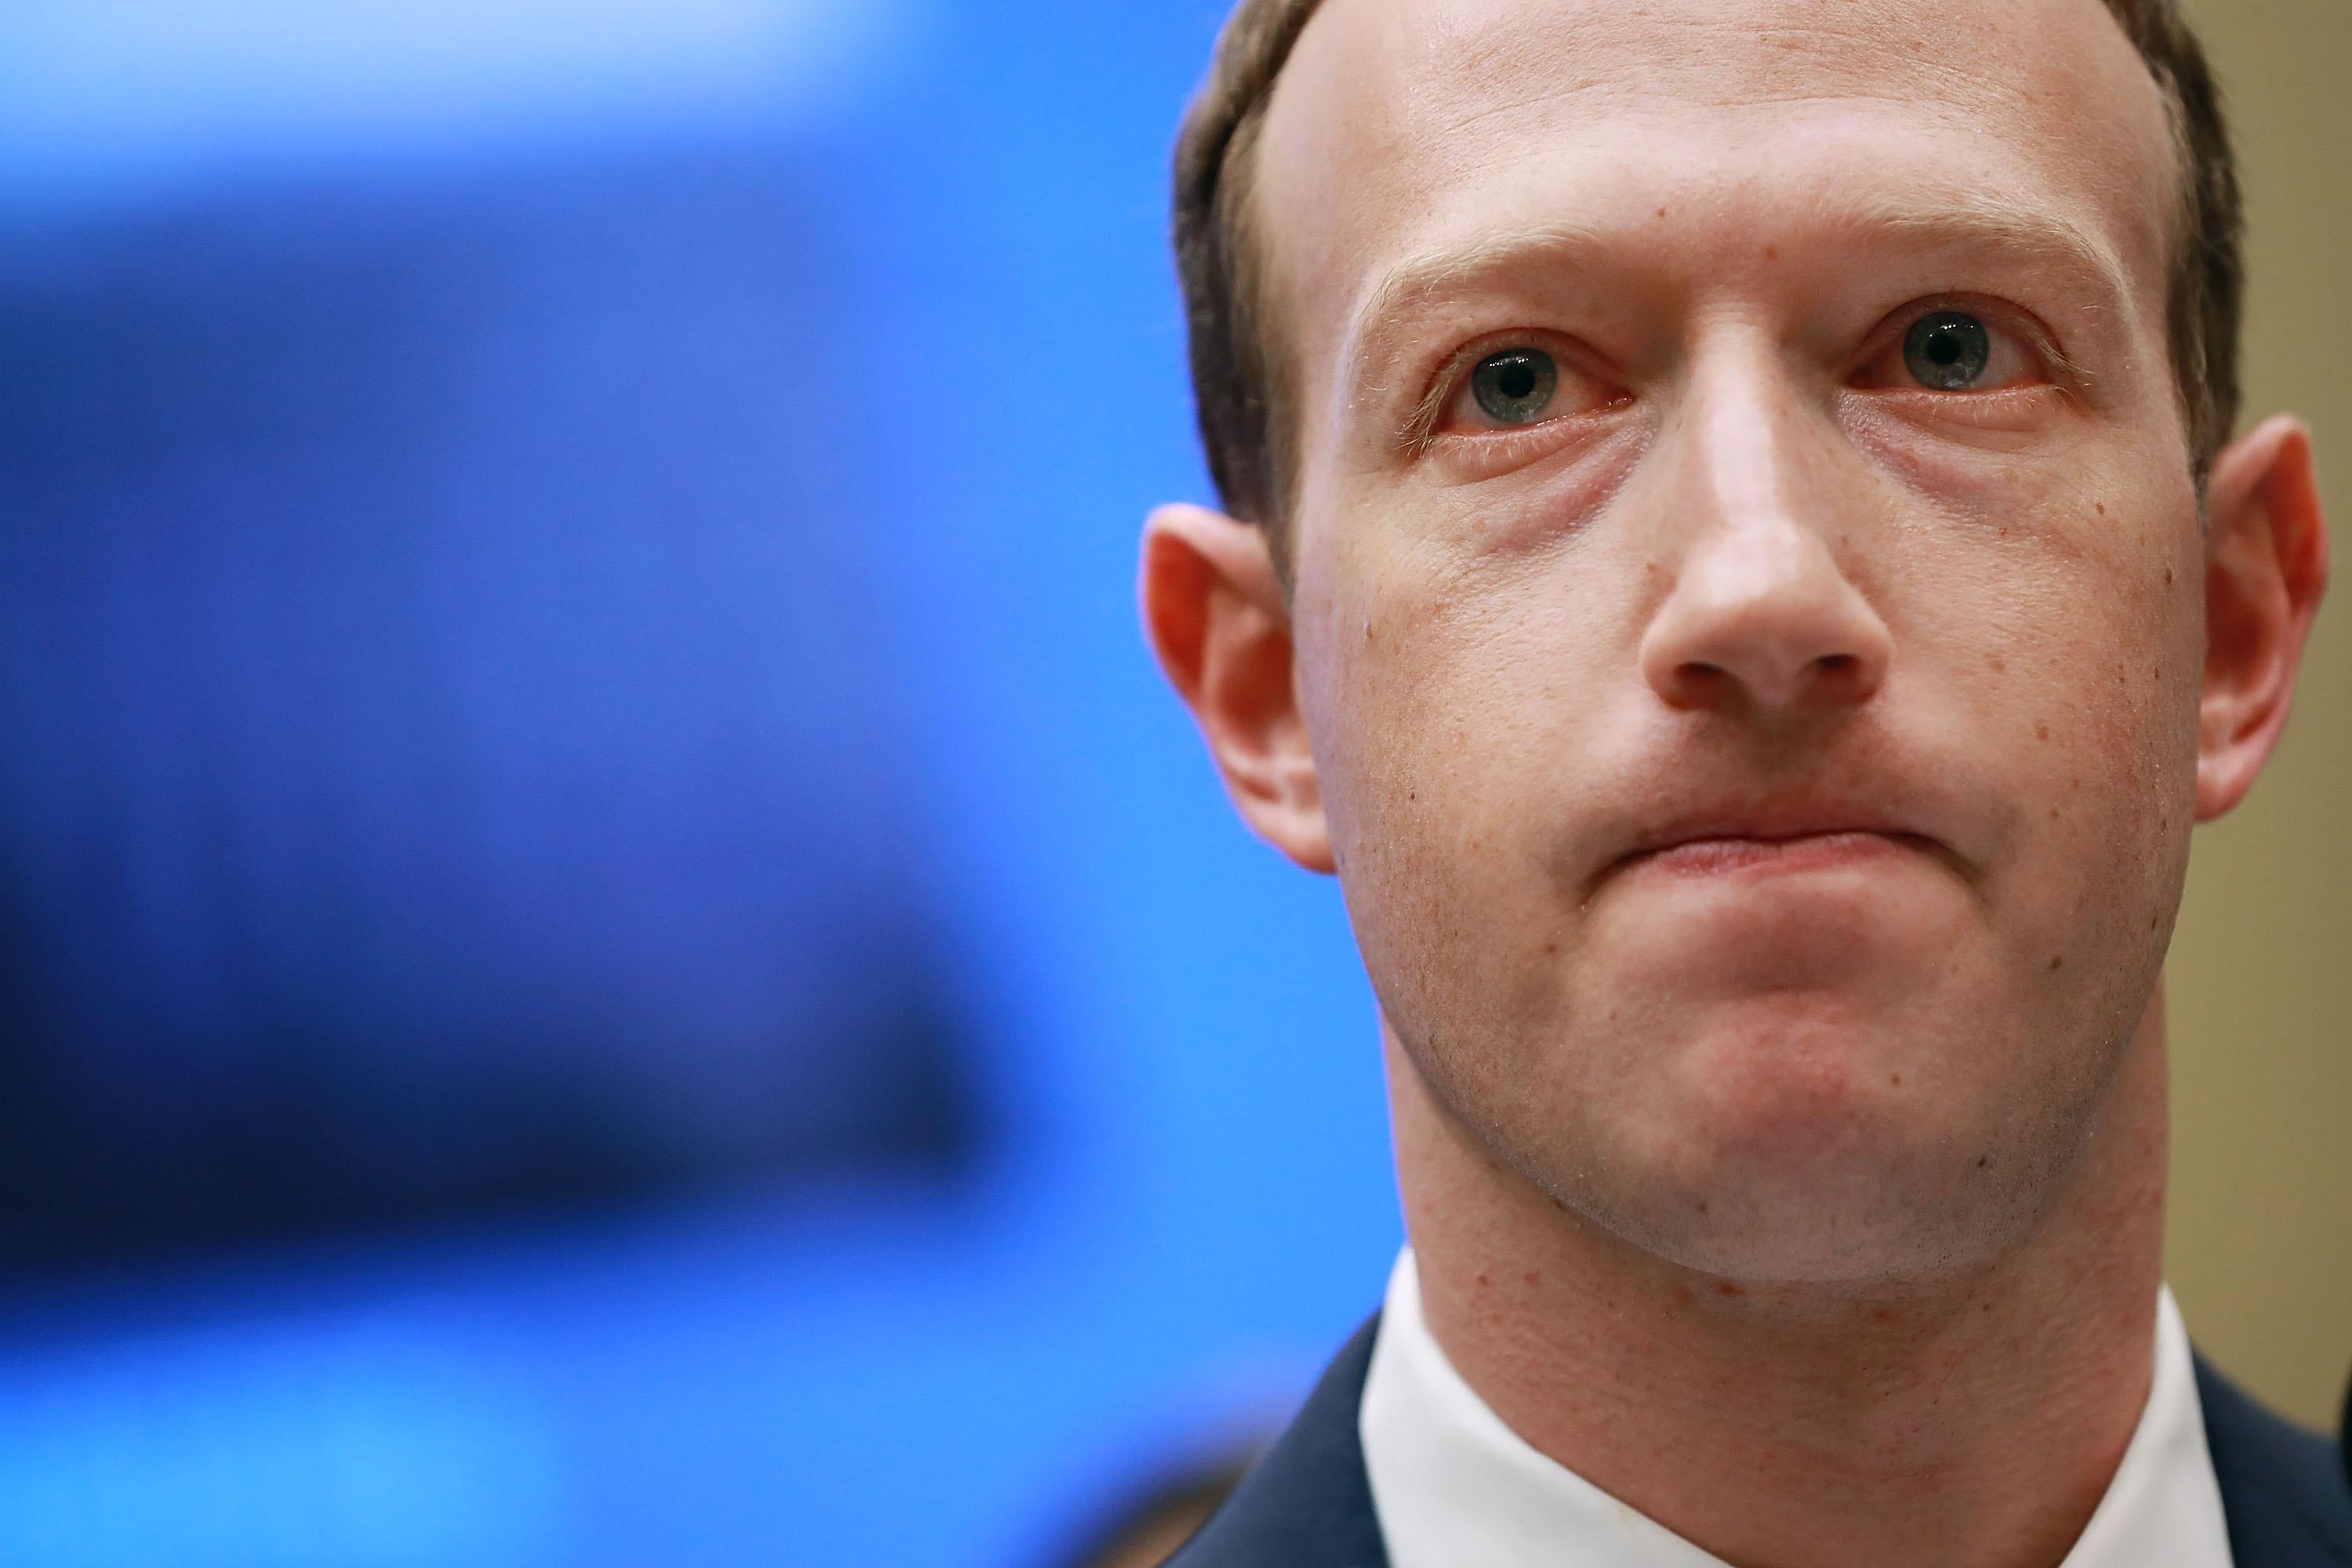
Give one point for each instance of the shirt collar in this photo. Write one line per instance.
(1455, 1487)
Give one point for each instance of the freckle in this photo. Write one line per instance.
(1895, 1079)
(2103, 509)
(2041, 732)
(2057, 962)
(1983, 1161)
(1728, 1288)
(2054, 813)
(1702, 1206)
(1998, 663)
(1550, 947)
(1484, 1282)
(1771, 253)
(1662, 211)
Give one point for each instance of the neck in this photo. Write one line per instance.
(1971, 1419)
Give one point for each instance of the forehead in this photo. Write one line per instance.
(1399, 126)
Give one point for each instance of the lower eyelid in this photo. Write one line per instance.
(1498, 451)
(1999, 407)
(1499, 445)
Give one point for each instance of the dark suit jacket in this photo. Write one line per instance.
(1308, 1505)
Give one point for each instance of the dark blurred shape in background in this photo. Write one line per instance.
(610, 954)
(438, 779)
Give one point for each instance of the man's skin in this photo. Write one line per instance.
(1800, 1188)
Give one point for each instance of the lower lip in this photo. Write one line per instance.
(1807, 852)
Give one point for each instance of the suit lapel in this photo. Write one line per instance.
(1308, 1503)
(2283, 1489)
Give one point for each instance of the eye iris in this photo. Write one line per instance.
(1947, 351)
(1515, 386)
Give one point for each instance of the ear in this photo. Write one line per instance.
(2265, 569)
(1214, 610)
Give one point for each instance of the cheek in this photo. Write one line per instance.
(2079, 684)
(1448, 719)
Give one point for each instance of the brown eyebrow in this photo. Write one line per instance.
(1986, 223)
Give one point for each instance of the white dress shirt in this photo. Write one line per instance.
(1454, 1488)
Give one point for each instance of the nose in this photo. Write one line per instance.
(1761, 614)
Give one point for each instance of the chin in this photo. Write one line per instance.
(1799, 1139)
(1857, 1224)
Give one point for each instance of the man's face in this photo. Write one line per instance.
(1746, 602)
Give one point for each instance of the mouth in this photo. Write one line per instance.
(1816, 850)
(1772, 843)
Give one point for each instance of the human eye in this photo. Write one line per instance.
(1515, 387)
(1501, 388)
(1954, 348)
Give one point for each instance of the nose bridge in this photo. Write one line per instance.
(1761, 609)
(1749, 460)
(1744, 442)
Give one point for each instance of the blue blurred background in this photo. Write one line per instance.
(610, 953)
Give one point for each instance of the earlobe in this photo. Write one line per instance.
(1214, 611)
(2265, 571)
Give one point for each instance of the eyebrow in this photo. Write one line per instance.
(2011, 230)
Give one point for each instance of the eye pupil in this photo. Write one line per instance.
(1515, 386)
(1947, 351)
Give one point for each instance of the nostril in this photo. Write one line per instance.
(1698, 678)
(1843, 676)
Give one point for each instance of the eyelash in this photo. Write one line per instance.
(1425, 426)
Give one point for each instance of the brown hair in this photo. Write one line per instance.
(1238, 378)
